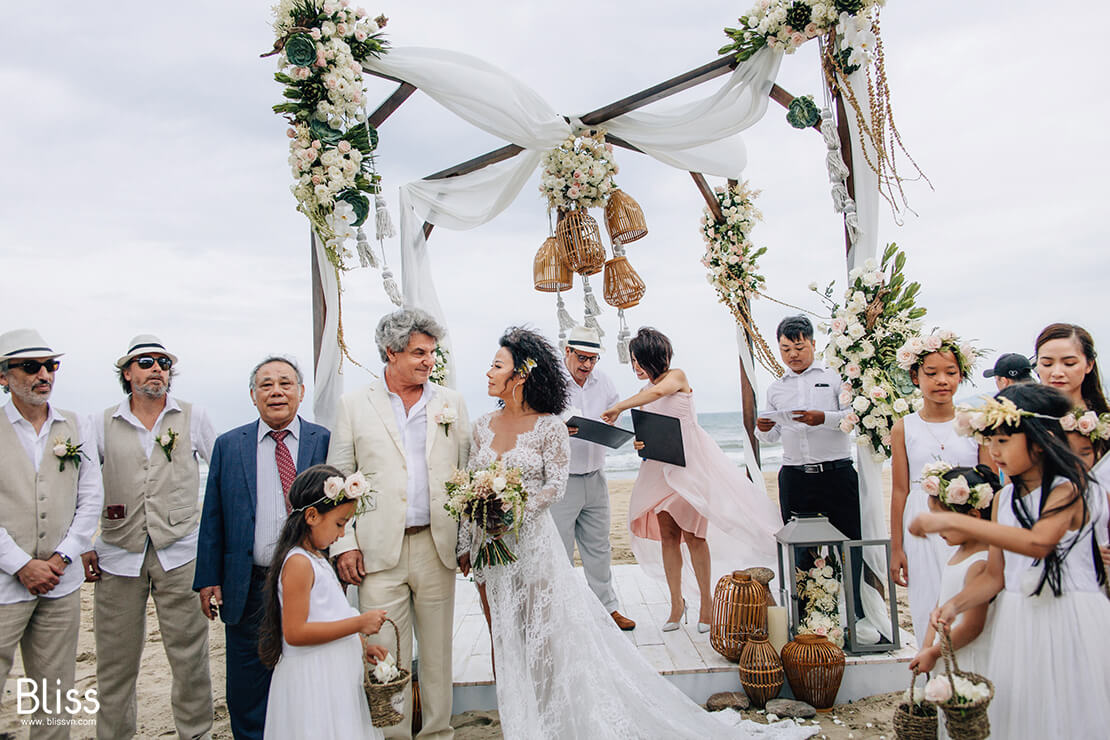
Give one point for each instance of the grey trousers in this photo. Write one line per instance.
(583, 515)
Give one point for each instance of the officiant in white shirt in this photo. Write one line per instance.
(582, 515)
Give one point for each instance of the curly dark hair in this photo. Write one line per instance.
(652, 350)
(1056, 460)
(545, 387)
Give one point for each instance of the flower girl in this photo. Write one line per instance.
(967, 491)
(937, 364)
(1047, 653)
(310, 632)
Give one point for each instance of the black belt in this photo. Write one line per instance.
(822, 467)
(261, 572)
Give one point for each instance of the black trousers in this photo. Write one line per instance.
(834, 493)
(248, 681)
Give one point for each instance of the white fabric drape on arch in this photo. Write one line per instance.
(327, 385)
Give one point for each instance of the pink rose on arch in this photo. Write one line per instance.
(845, 398)
(958, 491)
(839, 325)
(573, 191)
(932, 343)
(360, 35)
(930, 485)
(1087, 423)
(853, 370)
(1068, 422)
(877, 392)
(343, 146)
(315, 34)
(797, 39)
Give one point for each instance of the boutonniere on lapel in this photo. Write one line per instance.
(167, 442)
(445, 417)
(66, 451)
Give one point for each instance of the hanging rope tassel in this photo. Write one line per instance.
(851, 222)
(365, 253)
(840, 197)
(623, 338)
(592, 323)
(591, 307)
(382, 222)
(390, 286)
(566, 322)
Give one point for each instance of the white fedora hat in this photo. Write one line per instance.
(585, 339)
(144, 344)
(19, 344)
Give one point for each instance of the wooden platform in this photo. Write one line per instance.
(683, 656)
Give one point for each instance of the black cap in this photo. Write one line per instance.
(1010, 365)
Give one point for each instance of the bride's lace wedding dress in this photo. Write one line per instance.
(564, 670)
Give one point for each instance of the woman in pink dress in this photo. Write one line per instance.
(710, 506)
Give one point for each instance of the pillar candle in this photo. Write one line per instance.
(777, 633)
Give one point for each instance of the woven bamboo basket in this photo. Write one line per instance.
(624, 219)
(967, 721)
(387, 700)
(580, 242)
(622, 287)
(739, 613)
(760, 671)
(814, 667)
(915, 720)
(763, 576)
(549, 273)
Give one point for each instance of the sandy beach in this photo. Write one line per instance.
(869, 718)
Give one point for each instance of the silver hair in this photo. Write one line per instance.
(5, 367)
(276, 358)
(395, 329)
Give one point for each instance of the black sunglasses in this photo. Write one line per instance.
(146, 362)
(32, 367)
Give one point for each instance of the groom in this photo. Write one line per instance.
(407, 435)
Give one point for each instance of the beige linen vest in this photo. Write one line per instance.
(37, 509)
(158, 496)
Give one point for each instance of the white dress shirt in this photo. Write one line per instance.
(118, 561)
(815, 388)
(413, 427)
(78, 539)
(588, 400)
(269, 502)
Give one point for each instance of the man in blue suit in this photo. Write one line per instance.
(245, 506)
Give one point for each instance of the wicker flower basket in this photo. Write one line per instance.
(760, 671)
(968, 721)
(549, 273)
(915, 720)
(580, 242)
(739, 613)
(624, 219)
(623, 288)
(814, 667)
(387, 700)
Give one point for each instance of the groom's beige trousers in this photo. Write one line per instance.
(418, 592)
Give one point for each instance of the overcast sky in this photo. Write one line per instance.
(145, 184)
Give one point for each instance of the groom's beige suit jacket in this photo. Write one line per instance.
(366, 438)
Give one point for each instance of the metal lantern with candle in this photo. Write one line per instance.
(877, 583)
(802, 535)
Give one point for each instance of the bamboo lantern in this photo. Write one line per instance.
(814, 667)
(623, 287)
(739, 613)
(624, 219)
(549, 273)
(580, 242)
(760, 671)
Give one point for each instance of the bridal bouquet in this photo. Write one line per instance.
(493, 498)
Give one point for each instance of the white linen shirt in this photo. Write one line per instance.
(413, 427)
(588, 400)
(118, 561)
(815, 388)
(78, 539)
(269, 502)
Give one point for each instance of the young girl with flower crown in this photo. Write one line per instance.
(310, 633)
(970, 492)
(937, 364)
(1050, 619)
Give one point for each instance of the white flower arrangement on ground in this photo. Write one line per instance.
(730, 256)
(1095, 427)
(493, 499)
(954, 492)
(787, 24)
(579, 172)
(940, 340)
(878, 317)
(320, 48)
(819, 590)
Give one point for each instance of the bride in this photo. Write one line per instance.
(563, 669)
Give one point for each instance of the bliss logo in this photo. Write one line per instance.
(31, 696)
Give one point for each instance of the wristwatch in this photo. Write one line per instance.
(65, 558)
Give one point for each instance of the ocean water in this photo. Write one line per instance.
(726, 429)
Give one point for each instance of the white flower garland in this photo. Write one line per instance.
(579, 172)
(787, 24)
(730, 255)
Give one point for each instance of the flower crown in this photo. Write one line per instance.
(973, 421)
(1095, 427)
(941, 340)
(954, 492)
(338, 490)
(526, 368)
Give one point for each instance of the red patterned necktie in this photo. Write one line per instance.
(286, 469)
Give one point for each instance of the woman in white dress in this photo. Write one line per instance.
(1048, 656)
(564, 670)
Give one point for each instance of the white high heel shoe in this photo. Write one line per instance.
(672, 626)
